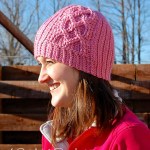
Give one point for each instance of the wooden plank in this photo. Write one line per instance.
(135, 90)
(32, 89)
(0, 72)
(23, 89)
(143, 72)
(140, 90)
(20, 72)
(10, 122)
(16, 32)
(21, 122)
(137, 106)
(0, 104)
(21, 137)
(25, 106)
(123, 72)
(20, 147)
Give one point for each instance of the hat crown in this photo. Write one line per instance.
(78, 37)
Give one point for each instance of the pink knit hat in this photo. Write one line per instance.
(78, 37)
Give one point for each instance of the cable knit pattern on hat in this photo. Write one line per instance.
(78, 37)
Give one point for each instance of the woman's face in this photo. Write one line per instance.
(61, 79)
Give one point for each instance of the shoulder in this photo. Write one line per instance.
(133, 137)
(130, 133)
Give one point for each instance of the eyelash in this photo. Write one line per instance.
(39, 64)
(49, 62)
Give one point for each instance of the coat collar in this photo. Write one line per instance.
(46, 132)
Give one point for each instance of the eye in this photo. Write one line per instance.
(49, 63)
(39, 63)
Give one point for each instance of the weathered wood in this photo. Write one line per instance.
(9, 122)
(0, 103)
(20, 147)
(25, 106)
(135, 90)
(123, 72)
(0, 72)
(20, 84)
(119, 72)
(32, 89)
(20, 36)
(143, 72)
(137, 106)
(23, 89)
(21, 122)
(20, 72)
(21, 137)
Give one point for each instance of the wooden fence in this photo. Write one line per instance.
(23, 101)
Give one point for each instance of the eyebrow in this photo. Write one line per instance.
(49, 59)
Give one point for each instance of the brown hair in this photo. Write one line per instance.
(93, 101)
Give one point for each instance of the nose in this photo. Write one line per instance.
(43, 76)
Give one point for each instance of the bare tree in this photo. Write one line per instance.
(28, 21)
(10, 48)
(142, 12)
(58, 4)
(97, 4)
(37, 10)
(126, 18)
(132, 9)
(124, 33)
(137, 25)
(139, 32)
(115, 12)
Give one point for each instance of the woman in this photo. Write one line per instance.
(76, 50)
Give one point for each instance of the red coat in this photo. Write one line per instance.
(128, 134)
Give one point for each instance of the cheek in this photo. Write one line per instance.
(53, 73)
(59, 72)
(72, 81)
(64, 74)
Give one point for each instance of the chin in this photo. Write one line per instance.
(56, 103)
(60, 105)
(60, 102)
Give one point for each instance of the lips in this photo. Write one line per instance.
(53, 86)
